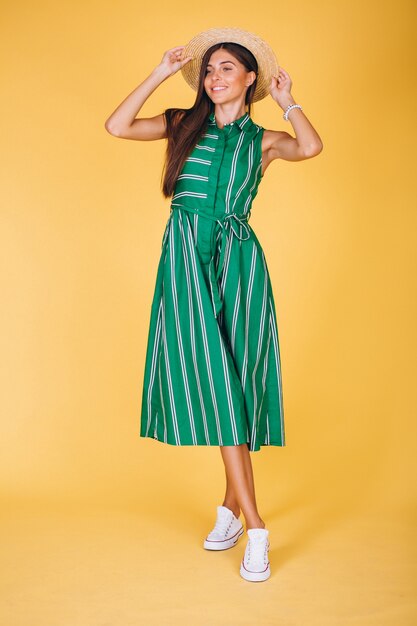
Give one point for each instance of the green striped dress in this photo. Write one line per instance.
(212, 372)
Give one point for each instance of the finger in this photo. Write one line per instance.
(176, 56)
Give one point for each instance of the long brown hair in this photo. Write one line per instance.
(186, 126)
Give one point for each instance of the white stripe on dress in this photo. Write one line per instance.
(155, 352)
(189, 194)
(192, 327)
(181, 345)
(264, 395)
(192, 177)
(248, 174)
(249, 198)
(205, 338)
(197, 160)
(162, 403)
(169, 379)
(208, 148)
(228, 389)
(277, 363)
(235, 316)
(255, 415)
(233, 171)
(248, 304)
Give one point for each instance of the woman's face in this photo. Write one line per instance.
(226, 78)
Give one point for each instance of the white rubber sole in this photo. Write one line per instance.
(255, 576)
(225, 544)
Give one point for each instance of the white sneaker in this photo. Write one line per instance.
(226, 532)
(255, 563)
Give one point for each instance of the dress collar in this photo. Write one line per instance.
(244, 122)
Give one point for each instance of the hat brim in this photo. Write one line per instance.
(263, 53)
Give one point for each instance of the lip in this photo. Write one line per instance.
(218, 88)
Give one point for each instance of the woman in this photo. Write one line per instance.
(212, 371)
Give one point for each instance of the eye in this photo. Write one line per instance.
(224, 68)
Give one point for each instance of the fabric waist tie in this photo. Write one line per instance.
(226, 222)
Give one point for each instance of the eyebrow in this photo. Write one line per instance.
(221, 63)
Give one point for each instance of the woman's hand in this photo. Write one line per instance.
(280, 88)
(172, 61)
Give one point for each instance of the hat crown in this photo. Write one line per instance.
(265, 57)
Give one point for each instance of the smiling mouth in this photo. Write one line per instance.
(218, 88)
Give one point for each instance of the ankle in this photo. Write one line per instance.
(255, 524)
(233, 507)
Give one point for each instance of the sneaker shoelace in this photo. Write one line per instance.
(258, 551)
(223, 524)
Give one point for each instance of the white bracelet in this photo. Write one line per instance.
(288, 109)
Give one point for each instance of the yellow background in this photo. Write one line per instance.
(100, 526)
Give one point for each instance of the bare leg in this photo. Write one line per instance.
(240, 490)
(230, 499)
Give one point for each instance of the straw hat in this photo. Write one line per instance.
(263, 53)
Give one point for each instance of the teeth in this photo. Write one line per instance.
(218, 88)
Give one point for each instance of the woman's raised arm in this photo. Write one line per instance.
(123, 122)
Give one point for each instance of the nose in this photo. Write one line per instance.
(216, 74)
